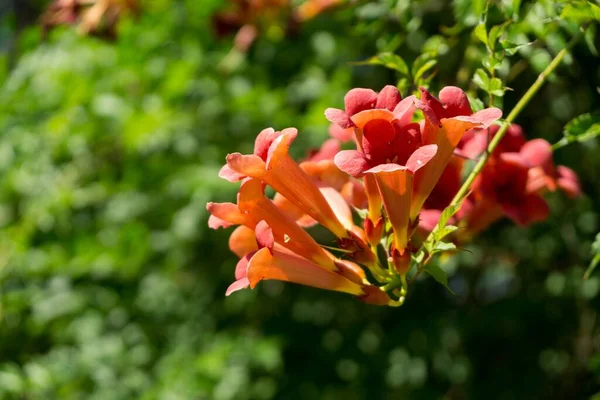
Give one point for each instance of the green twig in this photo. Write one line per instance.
(541, 79)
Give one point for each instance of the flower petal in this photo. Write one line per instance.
(428, 219)
(256, 207)
(538, 153)
(360, 119)
(395, 186)
(264, 235)
(292, 268)
(293, 212)
(327, 151)
(228, 174)
(373, 197)
(455, 101)
(404, 111)
(533, 209)
(351, 162)
(339, 206)
(224, 213)
(432, 108)
(286, 177)
(242, 241)
(341, 134)
(263, 141)
(237, 285)
(377, 136)
(339, 117)
(420, 157)
(484, 117)
(325, 173)
(568, 181)
(446, 137)
(357, 100)
(388, 98)
(247, 165)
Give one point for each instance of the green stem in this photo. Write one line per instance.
(541, 79)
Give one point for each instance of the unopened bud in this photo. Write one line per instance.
(373, 231)
(374, 295)
(401, 261)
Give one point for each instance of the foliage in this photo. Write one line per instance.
(112, 288)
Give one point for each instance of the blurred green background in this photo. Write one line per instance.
(112, 286)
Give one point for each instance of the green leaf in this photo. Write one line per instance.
(439, 275)
(421, 65)
(481, 79)
(590, 37)
(580, 129)
(496, 87)
(388, 60)
(476, 104)
(495, 34)
(490, 85)
(595, 259)
(511, 48)
(441, 247)
(581, 11)
(492, 63)
(480, 33)
(445, 231)
(449, 213)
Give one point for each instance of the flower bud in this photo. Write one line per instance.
(373, 231)
(401, 261)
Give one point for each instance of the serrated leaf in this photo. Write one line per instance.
(480, 32)
(439, 275)
(581, 11)
(388, 60)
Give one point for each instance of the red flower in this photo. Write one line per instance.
(510, 184)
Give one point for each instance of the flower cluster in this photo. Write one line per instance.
(403, 148)
(248, 17)
(511, 184)
(97, 17)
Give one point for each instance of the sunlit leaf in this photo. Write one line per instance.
(421, 65)
(495, 34)
(581, 11)
(480, 33)
(388, 60)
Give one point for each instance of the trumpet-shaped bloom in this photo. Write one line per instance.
(254, 207)
(510, 184)
(395, 184)
(283, 174)
(446, 121)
